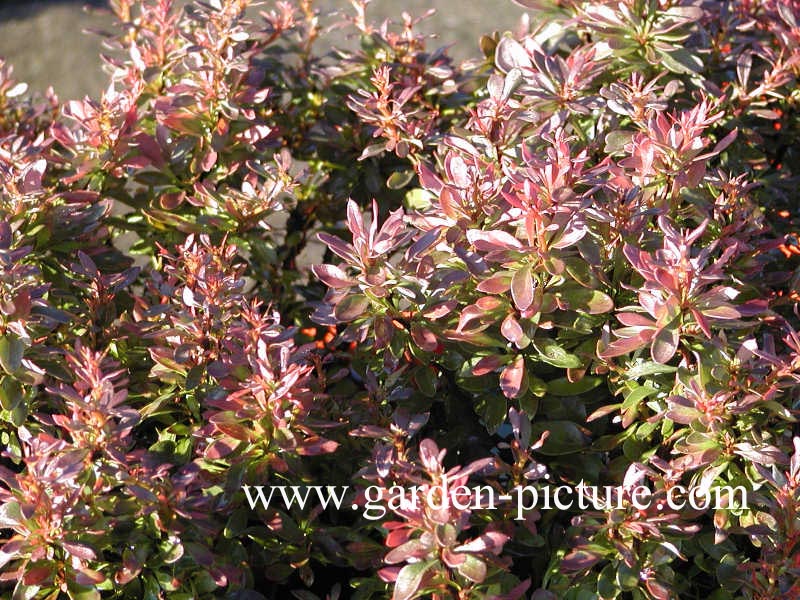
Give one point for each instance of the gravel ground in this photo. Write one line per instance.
(44, 39)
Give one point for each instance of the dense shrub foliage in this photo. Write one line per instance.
(255, 261)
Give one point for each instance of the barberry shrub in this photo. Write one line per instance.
(254, 260)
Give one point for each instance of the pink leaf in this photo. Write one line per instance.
(354, 221)
(633, 319)
(429, 180)
(491, 541)
(439, 310)
(664, 345)
(332, 276)
(430, 455)
(493, 240)
(511, 378)
(522, 288)
(79, 550)
(623, 346)
(316, 445)
(511, 329)
(510, 54)
(457, 170)
(338, 247)
(499, 283)
(470, 313)
(424, 338)
(486, 365)
(411, 549)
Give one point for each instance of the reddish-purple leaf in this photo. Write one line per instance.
(623, 346)
(657, 590)
(722, 312)
(511, 54)
(315, 445)
(725, 142)
(429, 180)
(430, 455)
(411, 549)
(493, 240)
(685, 415)
(579, 560)
(354, 221)
(35, 576)
(522, 288)
(470, 313)
(487, 365)
(332, 276)
(491, 541)
(79, 550)
(424, 338)
(439, 310)
(462, 144)
(665, 344)
(338, 247)
(498, 283)
(511, 329)
(89, 577)
(512, 376)
(457, 170)
(419, 247)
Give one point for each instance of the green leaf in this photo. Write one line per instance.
(410, 578)
(19, 414)
(606, 586)
(646, 368)
(585, 300)
(399, 179)
(637, 394)
(351, 307)
(195, 376)
(473, 569)
(426, 379)
(553, 354)
(627, 578)
(728, 573)
(11, 351)
(493, 412)
(10, 394)
(565, 437)
(10, 515)
(616, 141)
(530, 404)
(680, 60)
(564, 387)
(418, 199)
(82, 592)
